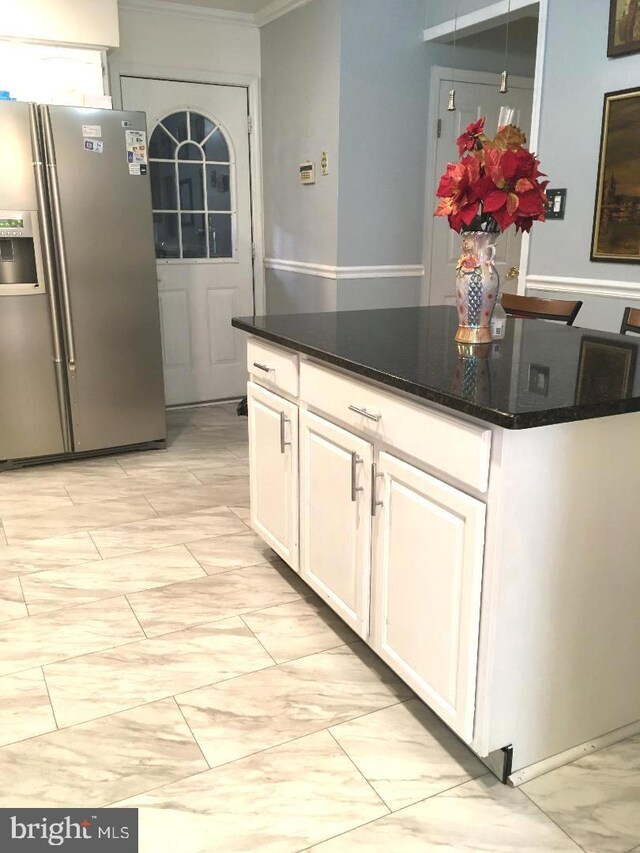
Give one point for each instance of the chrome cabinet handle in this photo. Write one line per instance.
(355, 461)
(59, 237)
(283, 420)
(365, 413)
(263, 367)
(374, 476)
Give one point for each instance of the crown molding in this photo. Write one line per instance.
(183, 10)
(276, 10)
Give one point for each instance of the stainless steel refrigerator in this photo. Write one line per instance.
(80, 349)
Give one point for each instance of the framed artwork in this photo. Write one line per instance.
(606, 369)
(616, 221)
(624, 27)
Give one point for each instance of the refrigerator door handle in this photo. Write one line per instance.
(49, 272)
(59, 237)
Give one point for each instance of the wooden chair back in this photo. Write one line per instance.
(630, 320)
(563, 310)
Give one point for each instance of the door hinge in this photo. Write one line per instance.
(250, 124)
(253, 250)
(439, 128)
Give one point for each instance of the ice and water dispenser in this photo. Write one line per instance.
(19, 253)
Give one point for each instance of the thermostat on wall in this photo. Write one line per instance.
(307, 173)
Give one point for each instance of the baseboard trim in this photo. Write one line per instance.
(346, 273)
(584, 286)
(519, 777)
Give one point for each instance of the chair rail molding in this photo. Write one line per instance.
(584, 286)
(343, 273)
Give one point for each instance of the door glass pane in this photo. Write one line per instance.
(163, 186)
(216, 148)
(191, 186)
(176, 124)
(161, 145)
(190, 151)
(200, 127)
(218, 193)
(220, 235)
(165, 230)
(193, 236)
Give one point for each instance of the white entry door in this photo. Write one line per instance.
(201, 196)
(472, 101)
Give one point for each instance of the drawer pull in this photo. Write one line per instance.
(355, 461)
(365, 413)
(283, 421)
(374, 476)
(263, 367)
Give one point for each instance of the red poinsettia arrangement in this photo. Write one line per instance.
(495, 183)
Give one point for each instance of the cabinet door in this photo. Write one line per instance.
(429, 542)
(335, 518)
(273, 468)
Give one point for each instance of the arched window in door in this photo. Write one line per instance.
(192, 188)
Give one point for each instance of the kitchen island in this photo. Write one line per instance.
(472, 515)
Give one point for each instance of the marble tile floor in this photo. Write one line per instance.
(154, 653)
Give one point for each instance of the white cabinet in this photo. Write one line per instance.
(428, 559)
(273, 466)
(335, 517)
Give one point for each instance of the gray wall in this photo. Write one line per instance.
(292, 293)
(300, 105)
(577, 73)
(383, 131)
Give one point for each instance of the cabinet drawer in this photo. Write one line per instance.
(273, 366)
(456, 448)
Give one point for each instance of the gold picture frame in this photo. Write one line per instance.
(616, 222)
(606, 369)
(624, 27)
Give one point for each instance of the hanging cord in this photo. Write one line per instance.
(504, 87)
(452, 92)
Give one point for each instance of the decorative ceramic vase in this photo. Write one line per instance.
(477, 285)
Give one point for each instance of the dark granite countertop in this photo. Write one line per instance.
(541, 373)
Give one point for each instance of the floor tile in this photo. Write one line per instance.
(12, 604)
(301, 628)
(407, 754)
(162, 532)
(133, 463)
(178, 606)
(482, 815)
(38, 640)
(596, 799)
(41, 554)
(221, 553)
(3, 538)
(101, 489)
(226, 490)
(98, 579)
(262, 710)
(19, 497)
(25, 709)
(211, 474)
(101, 761)
(74, 518)
(111, 681)
(277, 802)
(243, 512)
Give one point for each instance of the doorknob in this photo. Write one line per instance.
(514, 272)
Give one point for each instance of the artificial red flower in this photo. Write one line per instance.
(467, 141)
(494, 185)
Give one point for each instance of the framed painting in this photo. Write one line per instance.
(616, 221)
(624, 27)
(606, 369)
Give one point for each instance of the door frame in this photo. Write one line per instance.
(251, 83)
(438, 74)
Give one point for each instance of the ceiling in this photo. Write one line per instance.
(246, 6)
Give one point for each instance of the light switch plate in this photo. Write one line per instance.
(556, 201)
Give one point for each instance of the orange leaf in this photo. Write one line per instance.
(445, 207)
(509, 136)
(493, 166)
(512, 203)
(523, 184)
